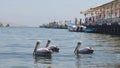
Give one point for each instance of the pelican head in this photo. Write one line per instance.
(49, 40)
(79, 43)
(38, 42)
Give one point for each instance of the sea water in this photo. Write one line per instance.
(17, 45)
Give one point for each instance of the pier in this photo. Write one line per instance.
(54, 24)
(104, 18)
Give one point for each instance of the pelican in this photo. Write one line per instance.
(86, 50)
(54, 48)
(41, 51)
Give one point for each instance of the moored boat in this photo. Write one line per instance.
(76, 28)
(88, 30)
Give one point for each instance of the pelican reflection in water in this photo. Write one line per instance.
(43, 60)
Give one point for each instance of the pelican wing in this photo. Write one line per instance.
(43, 52)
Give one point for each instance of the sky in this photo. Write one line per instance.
(38, 12)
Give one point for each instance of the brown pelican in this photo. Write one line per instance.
(86, 50)
(54, 48)
(41, 51)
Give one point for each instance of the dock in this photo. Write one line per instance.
(104, 18)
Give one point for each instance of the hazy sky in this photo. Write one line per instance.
(37, 12)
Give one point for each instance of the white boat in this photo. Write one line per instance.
(76, 28)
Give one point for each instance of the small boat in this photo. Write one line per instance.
(76, 28)
(88, 30)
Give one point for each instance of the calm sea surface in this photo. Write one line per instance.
(17, 45)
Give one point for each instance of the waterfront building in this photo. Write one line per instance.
(107, 12)
(104, 18)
